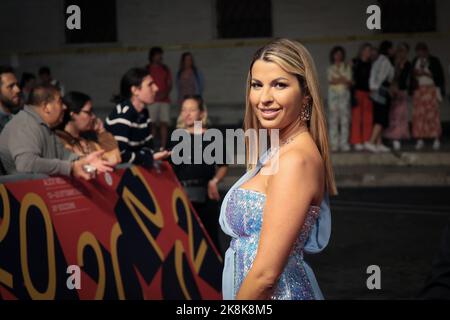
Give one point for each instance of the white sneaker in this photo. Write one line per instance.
(370, 147)
(397, 145)
(358, 147)
(419, 144)
(345, 148)
(382, 148)
(436, 144)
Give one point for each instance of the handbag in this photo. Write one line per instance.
(382, 95)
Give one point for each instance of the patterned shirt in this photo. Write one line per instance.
(133, 132)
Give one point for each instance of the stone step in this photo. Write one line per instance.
(374, 170)
(347, 177)
(392, 158)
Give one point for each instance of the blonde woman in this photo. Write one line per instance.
(273, 219)
(428, 88)
(200, 180)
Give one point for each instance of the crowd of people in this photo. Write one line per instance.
(45, 130)
(368, 97)
(142, 109)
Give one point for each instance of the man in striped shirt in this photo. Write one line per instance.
(129, 121)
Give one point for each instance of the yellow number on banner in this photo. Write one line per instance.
(32, 199)
(87, 239)
(6, 278)
(179, 250)
(116, 232)
(155, 217)
(197, 258)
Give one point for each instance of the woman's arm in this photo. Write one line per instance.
(290, 193)
(220, 173)
(213, 190)
(348, 76)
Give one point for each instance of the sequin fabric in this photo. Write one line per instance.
(244, 214)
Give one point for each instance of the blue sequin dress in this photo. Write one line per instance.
(241, 218)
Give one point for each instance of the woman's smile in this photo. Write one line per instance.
(269, 113)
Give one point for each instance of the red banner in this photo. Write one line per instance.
(130, 234)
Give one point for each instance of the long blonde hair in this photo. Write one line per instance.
(294, 58)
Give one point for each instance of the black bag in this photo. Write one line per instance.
(382, 95)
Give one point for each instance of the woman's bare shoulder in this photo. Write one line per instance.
(300, 166)
(304, 153)
(297, 161)
(297, 170)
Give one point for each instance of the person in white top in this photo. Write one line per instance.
(339, 79)
(381, 76)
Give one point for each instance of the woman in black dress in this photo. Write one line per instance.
(200, 179)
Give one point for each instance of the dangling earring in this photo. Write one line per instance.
(305, 113)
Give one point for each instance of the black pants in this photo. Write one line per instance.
(209, 214)
(381, 114)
